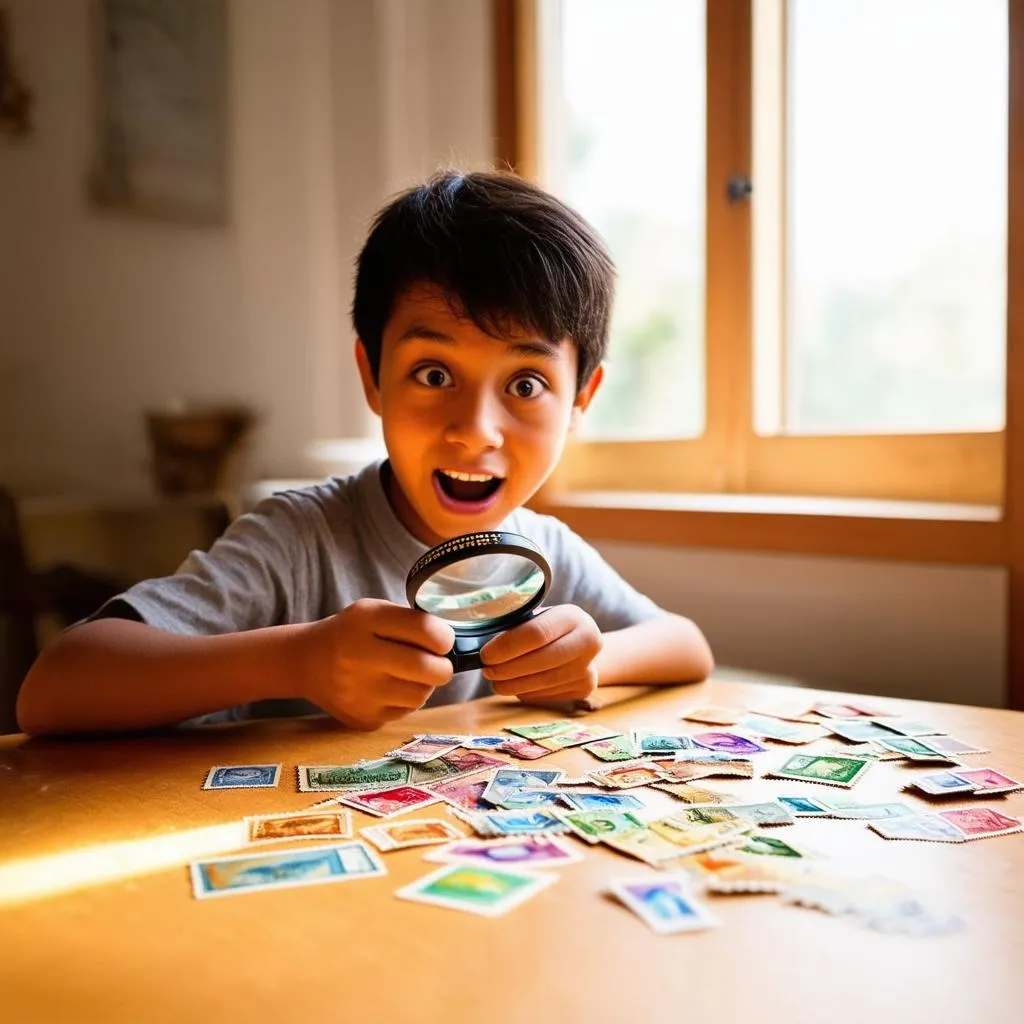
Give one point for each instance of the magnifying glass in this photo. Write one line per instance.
(481, 584)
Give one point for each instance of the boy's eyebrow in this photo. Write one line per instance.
(535, 347)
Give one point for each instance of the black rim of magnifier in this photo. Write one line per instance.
(469, 545)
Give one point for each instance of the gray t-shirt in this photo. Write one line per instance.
(303, 555)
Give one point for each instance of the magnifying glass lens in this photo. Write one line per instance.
(481, 588)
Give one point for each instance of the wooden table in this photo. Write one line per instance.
(97, 921)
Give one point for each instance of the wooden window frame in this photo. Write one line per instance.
(953, 498)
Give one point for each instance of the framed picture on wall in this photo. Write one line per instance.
(161, 109)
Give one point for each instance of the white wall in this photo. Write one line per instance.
(336, 104)
(106, 316)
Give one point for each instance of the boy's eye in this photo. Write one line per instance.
(433, 376)
(527, 386)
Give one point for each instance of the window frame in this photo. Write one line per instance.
(730, 457)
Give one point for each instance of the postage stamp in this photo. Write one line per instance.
(243, 776)
(859, 730)
(987, 780)
(804, 806)
(528, 852)
(729, 742)
(949, 745)
(830, 770)
(714, 715)
(767, 812)
(425, 748)
(626, 776)
(517, 799)
(915, 748)
(464, 793)
(980, 822)
(655, 741)
(780, 731)
(506, 781)
(525, 750)
(576, 737)
(401, 835)
(941, 784)
(516, 823)
(386, 802)
(928, 827)
(543, 730)
(666, 904)
(645, 845)
(883, 811)
(578, 800)
(907, 726)
(830, 710)
(615, 748)
(593, 826)
(483, 742)
(279, 828)
(694, 794)
(478, 889)
(320, 778)
(338, 862)
(759, 845)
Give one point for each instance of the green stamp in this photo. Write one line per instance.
(768, 846)
(615, 748)
(542, 731)
(314, 778)
(597, 825)
(831, 770)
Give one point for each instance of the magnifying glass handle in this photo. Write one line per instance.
(465, 655)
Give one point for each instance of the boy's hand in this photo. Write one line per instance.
(550, 657)
(374, 662)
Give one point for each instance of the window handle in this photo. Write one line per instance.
(738, 188)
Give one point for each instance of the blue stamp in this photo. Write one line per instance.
(803, 806)
(337, 863)
(243, 776)
(603, 801)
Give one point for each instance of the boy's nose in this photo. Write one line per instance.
(474, 422)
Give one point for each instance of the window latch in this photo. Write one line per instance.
(738, 188)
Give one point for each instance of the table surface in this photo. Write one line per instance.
(97, 920)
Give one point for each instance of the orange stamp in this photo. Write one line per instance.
(279, 828)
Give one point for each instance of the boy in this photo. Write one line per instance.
(482, 308)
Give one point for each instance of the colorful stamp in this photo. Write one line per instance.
(907, 726)
(525, 750)
(980, 822)
(729, 743)
(520, 798)
(543, 731)
(927, 827)
(401, 835)
(941, 784)
(651, 741)
(626, 776)
(593, 826)
(859, 730)
(645, 845)
(243, 776)
(758, 845)
(830, 770)
(338, 862)
(804, 806)
(576, 737)
(425, 748)
(464, 793)
(477, 889)
(765, 813)
(615, 748)
(484, 742)
(386, 802)
(665, 904)
(528, 852)
(507, 781)
(987, 780)
(590, 801)
(517, 823)
(279, 828)
(884, 811)
(911, 747)
(320, 778)
(694, 794)
(949, 745)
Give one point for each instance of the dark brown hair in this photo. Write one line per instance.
(506, 253)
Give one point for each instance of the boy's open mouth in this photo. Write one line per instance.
(467, 488)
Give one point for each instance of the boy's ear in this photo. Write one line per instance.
(586, 395)
(370, 388)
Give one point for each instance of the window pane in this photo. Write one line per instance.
(896, 215)
(622, 88)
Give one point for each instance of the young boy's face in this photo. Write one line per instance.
(456, 403)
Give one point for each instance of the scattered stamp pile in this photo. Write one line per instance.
(496, 832)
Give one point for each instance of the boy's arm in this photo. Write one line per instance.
(668, 649)
(115, 675)
(368, 664)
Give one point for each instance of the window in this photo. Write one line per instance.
(842, 332)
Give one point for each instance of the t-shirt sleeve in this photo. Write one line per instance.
(582, 577)
(258, 573)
